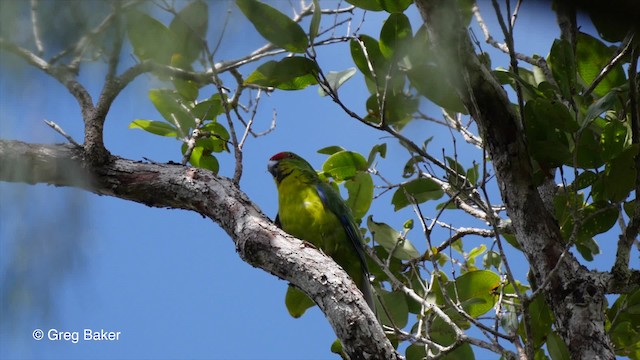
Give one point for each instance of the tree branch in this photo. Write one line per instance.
(258, 241)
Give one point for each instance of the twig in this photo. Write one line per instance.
(35, 25)
(538, 61)
(59, 130)
(628, 46)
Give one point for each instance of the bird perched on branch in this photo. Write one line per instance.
(311, 210)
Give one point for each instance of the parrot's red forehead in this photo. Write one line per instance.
(282, 155)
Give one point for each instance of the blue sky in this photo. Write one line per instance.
(169, 280)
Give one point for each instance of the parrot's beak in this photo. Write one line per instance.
(272, 166)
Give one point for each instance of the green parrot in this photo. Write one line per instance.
(311, 210)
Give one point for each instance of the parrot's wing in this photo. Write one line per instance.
(334, 202)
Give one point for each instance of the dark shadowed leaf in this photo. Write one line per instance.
(562, 64)
(418, 191)
(397, 311)
(373, 5)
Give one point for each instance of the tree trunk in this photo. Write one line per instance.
(574, 294)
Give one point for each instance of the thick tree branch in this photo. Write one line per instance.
(573, 296)
(258, 241)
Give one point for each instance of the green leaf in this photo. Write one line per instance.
(376, 149)
(360, 190)
(476, 251)
(297, 302)
(274, 26)
(613, 139)
(592, 56)
(563, 68)
(398, 109)
(336, 348)
(202, 158)
(620, 174)
(373, 55)
(397, 310)
(431, 82)
(314, 26)
(583, 180)
(492, 259)
(190, 29)
(629, 207)
(395, 35)
(219, 139)
(589, 151)
(392, 240)
(208, 109)
(154, 127)
(291, 73)
(373, 5)
(476, 291)
(336, 79)
(555, 114)
(596, 109)
(416, 352)
(588, 248)
(541, 320)
(330, 150)
(172, 110)
(344, 165)
(421, 190)
(602, 216)
(395, 6)
(150, 39)
(187, 89)
(546, 123)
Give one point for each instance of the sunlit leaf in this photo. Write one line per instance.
(360, 191)
(172, 110)
(274, 26)
(392, 240)
(154, 127)
(591, 56)
(291, 73)
(344, 165)
(297, 302)
(395, 35)
(336, 79)
(150, 39)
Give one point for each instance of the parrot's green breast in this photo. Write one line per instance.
(303, 215)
